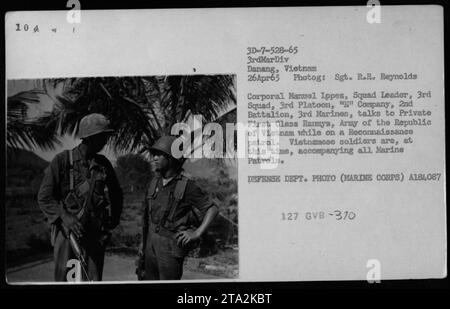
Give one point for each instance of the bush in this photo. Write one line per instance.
(39, 243)
(223, 231)
(133, 171)
(121, 238)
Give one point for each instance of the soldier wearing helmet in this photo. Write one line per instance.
(82, 200)
(177, 212)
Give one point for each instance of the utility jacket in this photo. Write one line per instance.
(56, 186)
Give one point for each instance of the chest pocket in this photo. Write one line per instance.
(98, 177)
(85, 184)
(167, 207)
(156, 209)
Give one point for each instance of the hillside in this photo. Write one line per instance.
(24, 169)
(22, 157)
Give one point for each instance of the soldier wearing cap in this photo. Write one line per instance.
(81, 197)
(177, 213)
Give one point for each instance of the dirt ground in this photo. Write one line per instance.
(117, 268)
(28, 239)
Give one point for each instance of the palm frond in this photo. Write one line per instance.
(140, 109)
(22, 132)
(30, 134)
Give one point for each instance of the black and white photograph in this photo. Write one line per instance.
(275, 146)
(95, 193)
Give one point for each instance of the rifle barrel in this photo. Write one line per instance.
(77, 250)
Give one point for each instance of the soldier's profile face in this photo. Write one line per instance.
(97, 142)
(159, 161)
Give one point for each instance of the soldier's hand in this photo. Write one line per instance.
(140, 252)
(186, 237)
(72, 223)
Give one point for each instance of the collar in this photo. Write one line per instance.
(166, 181)
(78, 156)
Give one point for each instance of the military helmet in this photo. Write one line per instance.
(93, 124)
(164, 145)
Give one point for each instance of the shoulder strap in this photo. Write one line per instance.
(71, 176)
(180, 187)
(87, 207)
(178, 194)
(152, 187)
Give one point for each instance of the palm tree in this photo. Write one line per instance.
(23, 132)
(117, 98)
(140, 109)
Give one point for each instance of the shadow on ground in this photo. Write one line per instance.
(117, 268)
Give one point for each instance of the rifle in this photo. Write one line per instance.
(79, 254)
(85, 211)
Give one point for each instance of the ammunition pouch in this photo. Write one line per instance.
(88, 201)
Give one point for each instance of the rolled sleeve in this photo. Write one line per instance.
(198, 199)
